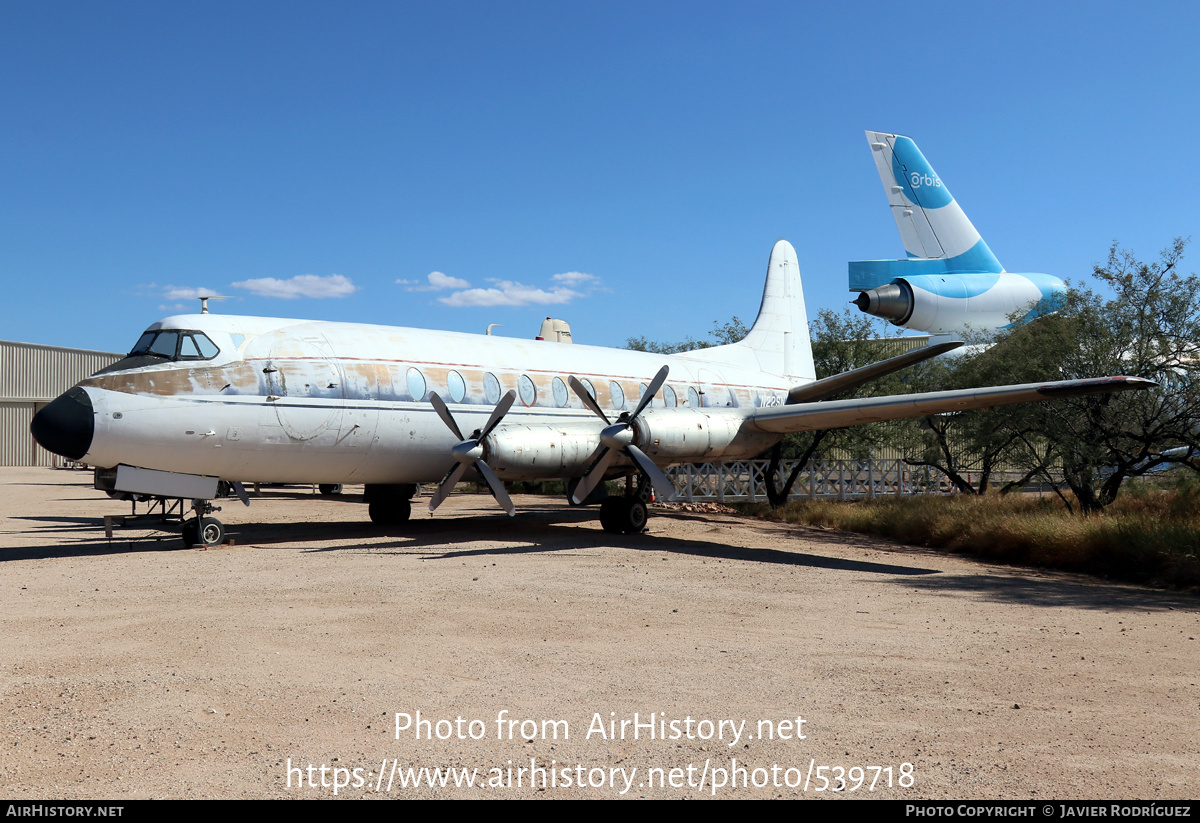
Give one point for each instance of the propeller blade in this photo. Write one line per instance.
(587, 399)
(440, 407)
(447, 485)
(498, 413)
(651, 390)
(590, 480)
(662, 484)
(497, 487)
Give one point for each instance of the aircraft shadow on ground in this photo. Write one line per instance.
(1066, 590)
(549, 526)
(539, 528)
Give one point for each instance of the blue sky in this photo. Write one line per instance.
(625, 166)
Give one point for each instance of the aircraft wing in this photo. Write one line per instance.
(829, 386)
(835, 414)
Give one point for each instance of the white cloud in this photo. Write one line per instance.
(302, 285)
(189, 292)
(511, 293)
(575, 278)
(437, 282)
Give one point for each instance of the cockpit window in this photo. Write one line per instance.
(173, 344)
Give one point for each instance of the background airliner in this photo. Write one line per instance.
(950, 282)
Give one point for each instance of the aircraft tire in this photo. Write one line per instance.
(633, 516)
(328, 489)
(610, 514)
(389, 511)
(191, 532)
(212, 532)
(623, 515)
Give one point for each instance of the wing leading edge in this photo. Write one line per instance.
(836, 414)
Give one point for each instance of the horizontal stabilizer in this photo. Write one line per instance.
(830, 386)
(836, 414)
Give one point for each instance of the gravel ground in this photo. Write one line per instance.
(135, 668)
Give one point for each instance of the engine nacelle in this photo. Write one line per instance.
(943, 303)
(517, 452)
(698, 435)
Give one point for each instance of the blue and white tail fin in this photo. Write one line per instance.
(938, 237)
(950, 280)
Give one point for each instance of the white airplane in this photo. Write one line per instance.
(950, 280)
(203, 398)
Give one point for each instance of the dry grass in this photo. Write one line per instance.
(1147, 536)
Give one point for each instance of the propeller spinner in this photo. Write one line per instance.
(618, 437)
(470, 452)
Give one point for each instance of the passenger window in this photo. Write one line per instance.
(416, 384)
(457, 386)
(491, 388)
(560, 392)
(527, 389)
(616, 395)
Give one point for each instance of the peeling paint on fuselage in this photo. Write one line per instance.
(302, 401)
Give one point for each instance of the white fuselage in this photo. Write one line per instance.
(323, 402)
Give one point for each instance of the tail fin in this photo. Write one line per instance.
(938, 237)
(778, 341)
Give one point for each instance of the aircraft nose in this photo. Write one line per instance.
(66, 425)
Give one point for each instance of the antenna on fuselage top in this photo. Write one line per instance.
(205, 298)
(492, 326)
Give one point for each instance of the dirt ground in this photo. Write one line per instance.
(749, 659)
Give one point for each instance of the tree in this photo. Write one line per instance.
(722, 335)
(1149, 328)
(840, 342)
(969, 448)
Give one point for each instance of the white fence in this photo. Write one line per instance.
(746, 480)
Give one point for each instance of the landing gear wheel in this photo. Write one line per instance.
(389, 511)
(610, 516)
(328, 489)
(203, 531)
(212, 532)
(633, 516)
(623, 515)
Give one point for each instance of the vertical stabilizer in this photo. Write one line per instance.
(931, 223)
(778, 341)
(779, 336)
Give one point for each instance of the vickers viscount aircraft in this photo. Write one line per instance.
(207, 398)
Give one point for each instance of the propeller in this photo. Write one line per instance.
(470, 452)
(618, 437)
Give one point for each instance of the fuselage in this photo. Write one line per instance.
(320, 402)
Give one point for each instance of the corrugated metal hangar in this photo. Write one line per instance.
(30, 377)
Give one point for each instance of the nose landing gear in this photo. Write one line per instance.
(203, 530)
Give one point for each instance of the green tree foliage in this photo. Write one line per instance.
(969, 448)
(1150, 328)
(840, 342)
(721, 335)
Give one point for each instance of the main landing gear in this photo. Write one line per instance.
(203, 530)
(627, 514)
(389, 504)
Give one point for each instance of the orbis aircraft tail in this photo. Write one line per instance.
(932, 225)
(950, 281)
